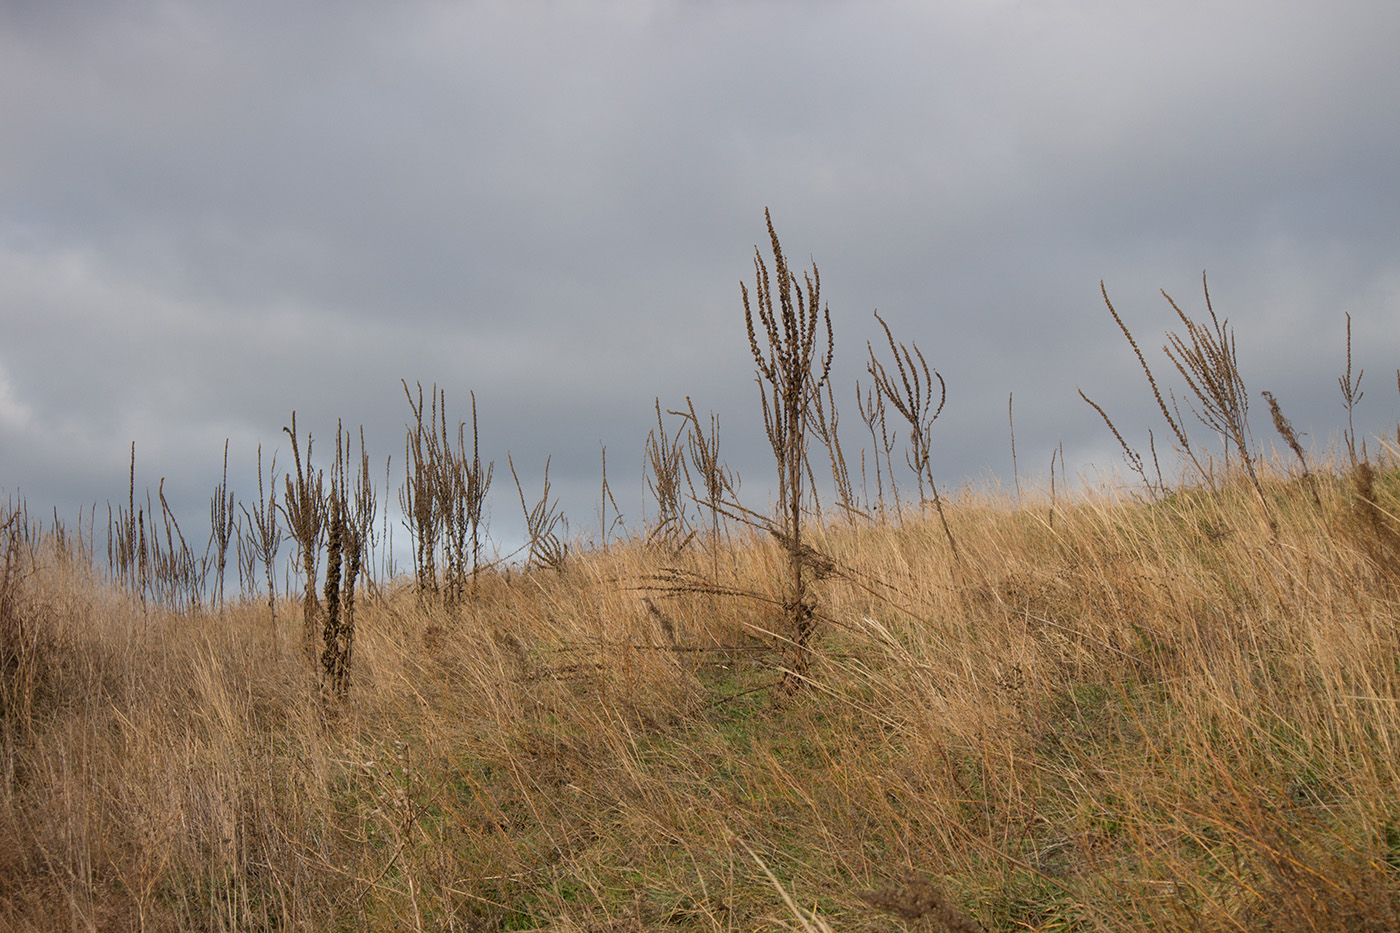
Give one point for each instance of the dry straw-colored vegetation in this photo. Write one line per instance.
(1137, 708)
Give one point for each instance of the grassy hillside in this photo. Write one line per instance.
(1117, 714)
(1170, 708)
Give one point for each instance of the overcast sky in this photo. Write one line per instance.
(213, 213)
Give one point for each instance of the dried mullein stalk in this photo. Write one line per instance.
(792, 369)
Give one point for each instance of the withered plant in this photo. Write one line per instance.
(870, 402)
(826, 423)
(1174, 421)
(338, 634)
(262, 538)
(1351, 396)
(462, 486)
(350, 508)
(1011, 422)
(443, 496)
(607, 528)
(17, 657)
(1130, 455)
(792, 369)
(419, 496)
(912, 397)
(664, 462)
(544, 524)
(1284, 427)
(1206, 359)
(165, 571)
(126, 540)
(716, 479)
(223, 519)
(1060, 449)
(1373, 524)
(304, 505)
(179, 575)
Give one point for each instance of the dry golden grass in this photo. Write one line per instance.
(1141, 716)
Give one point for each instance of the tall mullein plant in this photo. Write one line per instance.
(304, 505)
(792, 368)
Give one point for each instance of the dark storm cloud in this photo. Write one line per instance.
(211, 214)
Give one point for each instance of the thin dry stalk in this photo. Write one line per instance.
(1011, 421)
(871, 405)
(180, 575)
(1284, 427)
(607, 528)
(716, 479)
(126, 551)
(1061, 451)
(222, 521)
(1173, 421)
(1351, 396)
(477, 482)
(826, 423)
(263, 536)
(168, 574)
(366, 506)
(1133, 458)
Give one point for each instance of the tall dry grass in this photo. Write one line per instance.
(1148, 715)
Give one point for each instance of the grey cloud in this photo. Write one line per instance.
(213, 214)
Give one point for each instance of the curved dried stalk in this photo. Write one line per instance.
(912, 397)
(542, 524)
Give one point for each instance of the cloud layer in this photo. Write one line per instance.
(212, 214)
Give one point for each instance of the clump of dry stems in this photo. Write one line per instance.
(545, 525)
(912, 397)
(350, 508)
(262, 539)
(717, 480)
(443, 497)
(161, 569)
(665, 474)
(1206, 360)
